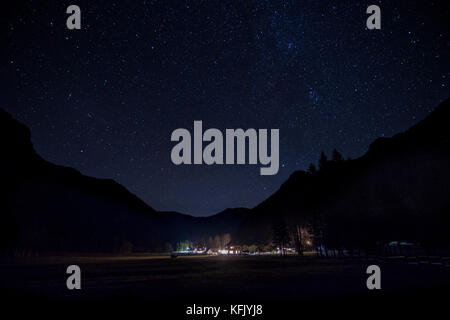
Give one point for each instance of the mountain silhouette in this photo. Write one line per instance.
(51, 208)
(398, 190)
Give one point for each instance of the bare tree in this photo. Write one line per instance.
(280, 235)
(217, 242)
(225, 239)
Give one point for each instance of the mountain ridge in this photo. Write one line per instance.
(42, 198)
(396, 174)
(391, 184)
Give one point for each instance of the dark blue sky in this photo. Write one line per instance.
(105, 99)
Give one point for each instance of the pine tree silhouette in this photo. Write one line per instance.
(323, 161)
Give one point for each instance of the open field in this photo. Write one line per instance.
(219, 279)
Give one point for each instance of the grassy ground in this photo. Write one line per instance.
(271, 280)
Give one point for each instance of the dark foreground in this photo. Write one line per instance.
(168, 286)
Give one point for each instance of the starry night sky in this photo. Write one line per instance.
(105, 99)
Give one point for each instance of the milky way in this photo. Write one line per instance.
(105, 99)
